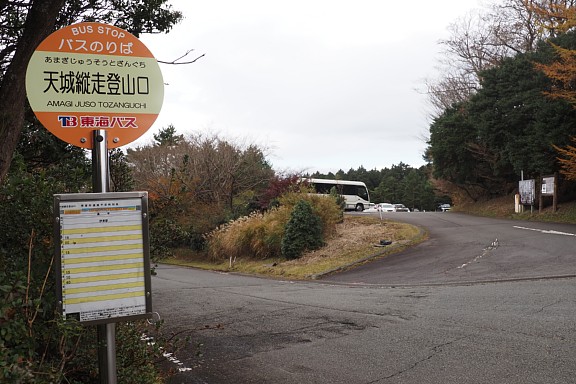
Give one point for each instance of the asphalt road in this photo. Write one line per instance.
(464, 248)
(459, 308)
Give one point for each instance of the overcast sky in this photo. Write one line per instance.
(324, 85)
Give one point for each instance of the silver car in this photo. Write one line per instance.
(401, 208)
(385, 207)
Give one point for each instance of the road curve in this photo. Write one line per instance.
(463, 248)
(466, 306)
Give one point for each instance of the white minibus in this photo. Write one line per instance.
(355, 193)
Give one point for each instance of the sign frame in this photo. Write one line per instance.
(101, 310)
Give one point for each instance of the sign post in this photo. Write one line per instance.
(97, 86)
(527, 192)
(549, 187)
(106, 333)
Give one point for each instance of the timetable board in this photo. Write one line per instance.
(103, 256)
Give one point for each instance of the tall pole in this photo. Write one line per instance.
(106, 332)
(555, 193)
(100, 170)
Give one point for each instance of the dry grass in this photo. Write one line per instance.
(504, 207)
(354, 241)
(498, 207)
(259, 235)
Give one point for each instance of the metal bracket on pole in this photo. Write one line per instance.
(106, 332)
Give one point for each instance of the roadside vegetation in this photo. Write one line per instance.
(36, 345)
(351, 241)
(504, 207)
(303, 236)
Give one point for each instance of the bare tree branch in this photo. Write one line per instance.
(177, 62)
(484, 38)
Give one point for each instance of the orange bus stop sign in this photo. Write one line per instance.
(90, 76)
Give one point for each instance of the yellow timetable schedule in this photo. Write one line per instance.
(102, 259)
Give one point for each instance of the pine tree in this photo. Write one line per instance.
(303, 231)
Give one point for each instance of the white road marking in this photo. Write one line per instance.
(485, 251)
(168, 355)
(546, 231)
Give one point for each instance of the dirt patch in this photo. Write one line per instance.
(359, 235)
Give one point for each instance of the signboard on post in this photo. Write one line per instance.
(97, 86)
(548, 186)
(103, 256)
(90, 76)
(527, 190)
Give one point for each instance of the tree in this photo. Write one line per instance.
(303, 231)
(451, 136)
(561, 71)
(453, 87)
(40, 22)
(120, 173)
(35, 345)
(39, 150)
(556, 17)
(560, 68)
(384, 191)
(567, 160)
(415, 190)
(168, 136)
(398, 184)
(202, 181)
(24, 24)
(515, 118)
(483, 39)
(277, 186)
(507, 127)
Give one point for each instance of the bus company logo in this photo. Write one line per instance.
(68, 121)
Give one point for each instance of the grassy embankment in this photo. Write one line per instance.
(355, 242)
(504, 207)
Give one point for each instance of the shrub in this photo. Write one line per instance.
(165, 234)
(327, 208)
(260, 235)
(303, 231)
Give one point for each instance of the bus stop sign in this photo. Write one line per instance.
(91, 76)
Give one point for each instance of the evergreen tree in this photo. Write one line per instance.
(303, 231)
(168, 136)
(507, 127)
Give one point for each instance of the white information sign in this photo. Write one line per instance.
(548, 186)
(527, 190)
(104, 260)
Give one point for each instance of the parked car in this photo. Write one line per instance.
(385, 207)
(444, 207)
(401, 208)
